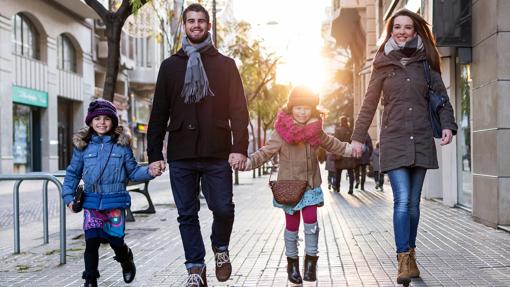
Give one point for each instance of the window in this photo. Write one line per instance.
(25, 37)
(66, 54)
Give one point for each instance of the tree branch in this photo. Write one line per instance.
(98, 8)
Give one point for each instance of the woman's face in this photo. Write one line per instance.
(102, 124)
(403, 29)
(302, 114)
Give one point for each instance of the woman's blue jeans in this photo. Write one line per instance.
(406, 183)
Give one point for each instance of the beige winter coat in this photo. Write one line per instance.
(297, 161)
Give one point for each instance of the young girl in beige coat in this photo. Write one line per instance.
(298, 135)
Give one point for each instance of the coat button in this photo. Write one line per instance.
(191, 127)
(410, 109)
(411, 137)
(408, 79)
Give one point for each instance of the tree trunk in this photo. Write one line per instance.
(114, 31)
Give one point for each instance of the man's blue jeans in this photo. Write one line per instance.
(406, 183)
(214, 178)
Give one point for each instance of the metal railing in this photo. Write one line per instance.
(46, 178)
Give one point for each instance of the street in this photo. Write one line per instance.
(356, 244)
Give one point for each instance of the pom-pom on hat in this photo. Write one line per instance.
(300, 96)
(102, 107)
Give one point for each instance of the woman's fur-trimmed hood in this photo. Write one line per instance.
(81, 138)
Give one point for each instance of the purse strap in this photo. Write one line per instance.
(102, 169)
(426, 69)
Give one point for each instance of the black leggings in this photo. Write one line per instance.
(91, 255)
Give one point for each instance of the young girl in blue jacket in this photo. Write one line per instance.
(103, 158)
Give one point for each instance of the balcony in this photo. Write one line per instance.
(143, 75)
(30, 73)
(79, 7)
(70, 85)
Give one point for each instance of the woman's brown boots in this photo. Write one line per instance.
(414, 272)
(404, 260)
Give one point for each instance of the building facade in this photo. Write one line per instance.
(475, 168)
(46, 77)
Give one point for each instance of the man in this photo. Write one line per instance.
(200, 91)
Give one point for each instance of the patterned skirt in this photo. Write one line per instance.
(104, 223)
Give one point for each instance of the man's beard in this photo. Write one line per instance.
(197, 41)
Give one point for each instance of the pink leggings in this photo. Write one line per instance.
(309, 216)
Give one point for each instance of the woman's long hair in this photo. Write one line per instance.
(422, 28)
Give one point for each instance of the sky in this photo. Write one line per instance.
(292, 29)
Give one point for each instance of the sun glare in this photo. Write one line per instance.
(292, 30)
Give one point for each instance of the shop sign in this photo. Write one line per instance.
(29, 97)
(141, 128)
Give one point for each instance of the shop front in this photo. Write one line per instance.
(28, 105)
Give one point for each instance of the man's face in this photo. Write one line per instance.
(196, 26)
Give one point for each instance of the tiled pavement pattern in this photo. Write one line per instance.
(356, 246)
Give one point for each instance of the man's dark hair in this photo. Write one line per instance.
(195, 7)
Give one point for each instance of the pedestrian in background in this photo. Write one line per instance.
(200, 91)
(360, 172)
(343, 132)
(376, 166)
(298, 134)
(103, 158)
(407, 143)
(331, 169)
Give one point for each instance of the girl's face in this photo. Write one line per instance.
(301, 114)
(403, 29)
(102, 124)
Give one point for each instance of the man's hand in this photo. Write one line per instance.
(237, 161)
(155, 168)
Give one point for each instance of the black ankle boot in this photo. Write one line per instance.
(90, 283)
(90, 278)
(293, 270)
(128, 265)
(310, 266)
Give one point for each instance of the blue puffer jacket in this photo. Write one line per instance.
(87, 162)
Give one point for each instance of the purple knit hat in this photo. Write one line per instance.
(102, 107)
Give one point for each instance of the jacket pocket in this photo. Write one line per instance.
(223, 124)
(174, 125)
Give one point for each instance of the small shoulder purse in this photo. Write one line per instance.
(436, 102)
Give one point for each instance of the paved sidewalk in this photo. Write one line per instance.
(356, 245)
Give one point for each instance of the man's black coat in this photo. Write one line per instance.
(212, 128)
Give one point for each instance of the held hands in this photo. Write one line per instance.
(447, 137)
(357, 149)
(157, 168)
(237, 161)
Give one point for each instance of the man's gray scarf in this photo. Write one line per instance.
(196, 84)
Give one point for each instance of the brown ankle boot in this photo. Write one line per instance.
(310, 268)
(293, 270)
(223, 265)
(403, 276)
(196, 277)
(414, 272)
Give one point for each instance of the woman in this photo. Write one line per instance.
(406, 140)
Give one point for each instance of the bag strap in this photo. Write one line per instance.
(426, 69)
(103, 168)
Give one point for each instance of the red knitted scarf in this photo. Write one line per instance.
(293, 133)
